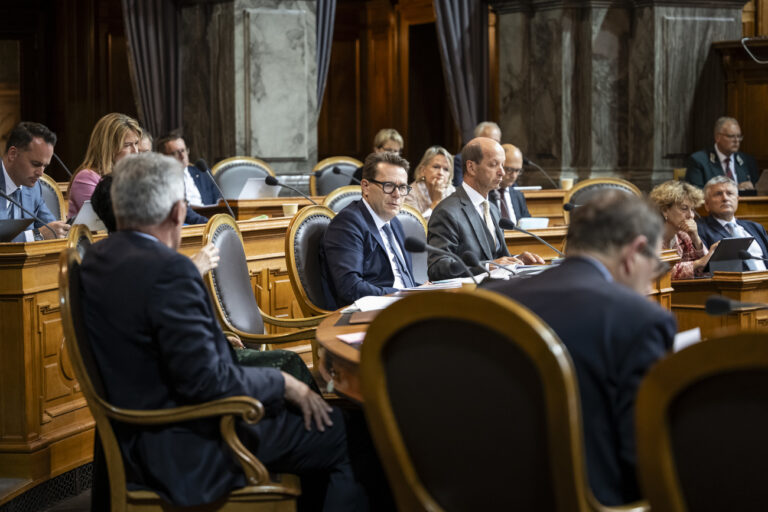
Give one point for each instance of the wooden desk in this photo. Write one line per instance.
(546, 203)
(339, 361)
(249, 208)
(518, 242)
(690, 295)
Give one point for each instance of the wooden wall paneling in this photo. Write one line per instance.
(380, 98)
(761, 17)
(116, 92)
(749, 24)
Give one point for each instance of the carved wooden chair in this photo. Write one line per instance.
(323, 180)
(80, 239)
(472, 403)
(342, 196)
(261, 493)
(233, 298)
(53, 198)
(232, 173)
(583, 191)
(414, 225)
(701, 419)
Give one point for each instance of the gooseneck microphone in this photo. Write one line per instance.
(273, 182)
(717, 305)
(471, 260)
(508, 224)
(542, 171)
(569, 207)
(413, 244)
(746, 255)
(202, 166)
(38, 219)
(336, 170)
(62, 164)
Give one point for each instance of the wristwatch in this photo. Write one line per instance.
(37, 234)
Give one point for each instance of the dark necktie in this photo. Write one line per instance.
(503, 204)
(728, 171)
(401, 266)
(15, 212)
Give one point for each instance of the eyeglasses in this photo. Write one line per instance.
(389, 188)
(390, 150)
(509, 170)
(730, 136)
(660, 267)
(179, 152)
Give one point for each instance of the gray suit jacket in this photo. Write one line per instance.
(455, 226)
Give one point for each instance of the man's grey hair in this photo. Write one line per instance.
(721, 121)
(718, 180)
(144, 189)
(485, 124)
(611, 220)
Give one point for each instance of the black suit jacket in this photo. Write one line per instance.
(516, 198)
(455, 226)
(158, 345)
(208, 191)
(613, 336)
(704, 165)
(710, 231)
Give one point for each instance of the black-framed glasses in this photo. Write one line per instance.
(389, 188)
(730, 136)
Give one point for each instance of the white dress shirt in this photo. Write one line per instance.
(380, 223)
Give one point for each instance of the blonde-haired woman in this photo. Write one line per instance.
(114, 137)
(677, 200)
(431, 180)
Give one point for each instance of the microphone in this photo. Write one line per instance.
(471, 260)
(508, 224)
(746, 255)
(717, 305)
(336, 170)
(569, 207)
(202, 166)
(413, 244)
(62, 164)
(273, 182)
(38, 219)
(529, 162)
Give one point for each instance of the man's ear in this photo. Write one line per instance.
(706, 206)
(12, 153)
(628, 252)
(178, 212)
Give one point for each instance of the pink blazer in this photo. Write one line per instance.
(82, 190)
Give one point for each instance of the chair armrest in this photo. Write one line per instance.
(311, 321)
(260, 339)
(636, 506)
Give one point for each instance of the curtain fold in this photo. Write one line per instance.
(326, 15)
(462, 31)
(152, 30)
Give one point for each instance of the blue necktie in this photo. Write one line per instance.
(15, 212)
(401, 266)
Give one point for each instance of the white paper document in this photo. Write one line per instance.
(686, 339)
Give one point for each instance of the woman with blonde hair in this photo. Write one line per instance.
(114, 137)
(677, 202)
(431, 180)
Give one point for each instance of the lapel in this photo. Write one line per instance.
(477, 223)
(371, 225)
(3, 201)
(714, 163)
(717, 227)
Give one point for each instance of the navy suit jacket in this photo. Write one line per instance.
(455, 226)
(31, 200)
(516, 198)
(613, 336)
(703, 165)
(353, 261)
(710, 231)
(208, 192)
(458, 170)
(158, 345)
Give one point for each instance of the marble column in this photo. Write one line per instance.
(249, 81)
(611, 88)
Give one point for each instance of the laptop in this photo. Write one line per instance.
(10, 228)
(256, 188)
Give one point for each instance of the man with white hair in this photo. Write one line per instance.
(158, 345)
(724, 159)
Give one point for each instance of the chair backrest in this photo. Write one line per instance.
(232, 173)
(701, 418)
(52, 197)
(86, 370)
(328, 181)
(302, 254)
(80, 239)
(583, 191)
(414, 225)
(342, 196)
(473, 403)
(230, 283)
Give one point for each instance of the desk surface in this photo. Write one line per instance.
(339, 361)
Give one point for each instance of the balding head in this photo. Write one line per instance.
(513, 165)
(483, 164)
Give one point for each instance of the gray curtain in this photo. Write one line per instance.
(152, 30)
(326, 14)
(462, 31)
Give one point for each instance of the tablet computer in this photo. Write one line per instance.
(10, 228)
(726, 256)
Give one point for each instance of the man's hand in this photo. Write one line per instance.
(59, 227)
(746, 185)
(235, 342)
(311, 404)
(530, 258)
(206, 259)
(508, 261)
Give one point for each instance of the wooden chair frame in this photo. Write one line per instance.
(260, 487)
(414, 212)
(341, 191)
(662, 385)
(532, 336)
(77, 233)
(48, 181)
(306, 326)
(596, 181)
(308, 308)
(329, 162)
(239, 159)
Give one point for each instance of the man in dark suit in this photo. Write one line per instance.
(145, 305)
(724, 159)
(466, 221)
(198, 185)
(507, 198)
(721, 199)
(28, 152)
(595, 301)
(363, 250)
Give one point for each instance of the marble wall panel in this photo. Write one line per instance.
(514, 79)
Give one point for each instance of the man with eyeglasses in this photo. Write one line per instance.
(466, 221)
(596, 302)
(507, 198)
(724, 159)
(200, 190)
(363, 250)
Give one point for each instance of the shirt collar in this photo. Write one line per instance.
(597, 264)
(474, 196)
(376, 219)
(724, 222)
(145, 235)
(10, 186)
(721, 156)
